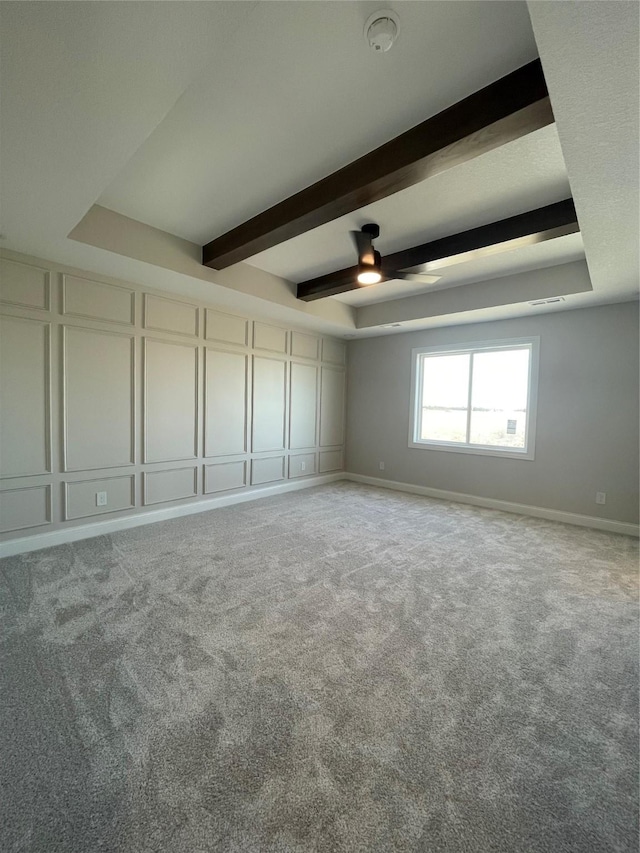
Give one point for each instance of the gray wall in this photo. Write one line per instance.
(587, 426)
(152, 399)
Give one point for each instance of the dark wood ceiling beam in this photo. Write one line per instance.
(534, 226)
(507, 109)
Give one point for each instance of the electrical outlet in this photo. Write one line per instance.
(303, 466)
(601, 497)
(101, 498)
(381, 466)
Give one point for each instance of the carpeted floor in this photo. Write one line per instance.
(342, 669)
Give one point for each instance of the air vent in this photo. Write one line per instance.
(551, 301)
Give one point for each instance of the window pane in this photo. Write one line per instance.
(445, 394)
(499, 398)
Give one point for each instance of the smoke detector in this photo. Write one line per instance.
(381, 30)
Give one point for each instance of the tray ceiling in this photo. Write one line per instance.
(133, 135)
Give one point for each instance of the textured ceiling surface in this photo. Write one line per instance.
(597, 112)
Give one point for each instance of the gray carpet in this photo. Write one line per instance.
(340, 669)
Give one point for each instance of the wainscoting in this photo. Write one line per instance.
(117, 400)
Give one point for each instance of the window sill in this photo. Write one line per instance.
(474, 451)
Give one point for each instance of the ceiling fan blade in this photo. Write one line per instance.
(421, 278)
(363, 246)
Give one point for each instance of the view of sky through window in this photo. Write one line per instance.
(500, 387)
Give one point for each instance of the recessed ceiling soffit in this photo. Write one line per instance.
(508, 109)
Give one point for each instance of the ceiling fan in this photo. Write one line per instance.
(370, 263)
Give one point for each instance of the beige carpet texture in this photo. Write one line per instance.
(340, 670)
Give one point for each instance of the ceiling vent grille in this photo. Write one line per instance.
(551, 301)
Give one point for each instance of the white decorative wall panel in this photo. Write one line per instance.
(269, 404)
(301, 465)
(223, 476)
(98, 371)
(303, 405)
(80, 496)
(97, 301)
(331, 460)
(25, 423)
(304, 346)
(225, 402)
(267, 470)
(332, 407)
(169, 315)
(174, 485)
(24, 285)
(269, 337)
(334, 351)
(24, 508)
(226, 328)
(150, 398)
(170, 401)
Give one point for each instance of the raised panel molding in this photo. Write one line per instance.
(304, 346)
(25, 374)
(303, 405)
(268, 337)
(267, 470)
(302, 465)
(224, 476)
(226, 328)
(24, 285)
(79, 499)
(21, 509)
(332, 393)
(331, 460)
(95, 300)
(226, 402)
(152, 397)
(170, 401)
(269, 394)
(99, 385)
(334, 351)
(171, 485)
(170, 315)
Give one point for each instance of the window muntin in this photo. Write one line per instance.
(476, 398)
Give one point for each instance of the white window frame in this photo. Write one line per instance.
(527, 452)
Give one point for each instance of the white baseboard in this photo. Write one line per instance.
(506, 506)
(61, 536)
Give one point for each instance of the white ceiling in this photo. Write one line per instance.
(192, 117)
(299, 95)
(83, 86)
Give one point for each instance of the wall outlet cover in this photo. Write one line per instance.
(101, 498)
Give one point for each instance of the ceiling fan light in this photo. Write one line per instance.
(369, 274)
(369, 277)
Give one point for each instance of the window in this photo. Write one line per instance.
(476, 398)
